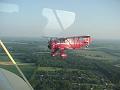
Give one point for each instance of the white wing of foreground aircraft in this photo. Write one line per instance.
(9, 80)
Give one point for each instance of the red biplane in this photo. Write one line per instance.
(59, 45)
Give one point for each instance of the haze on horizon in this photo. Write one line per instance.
(29, 18)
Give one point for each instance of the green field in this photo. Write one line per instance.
(97, 67)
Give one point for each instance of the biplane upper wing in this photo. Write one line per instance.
(79, 37)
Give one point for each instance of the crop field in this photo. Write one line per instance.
(94, 68)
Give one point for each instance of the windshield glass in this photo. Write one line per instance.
(61, 44)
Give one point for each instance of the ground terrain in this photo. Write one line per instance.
(95, 68)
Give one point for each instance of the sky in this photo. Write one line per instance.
(35, 18)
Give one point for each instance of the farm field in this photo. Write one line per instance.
(95, 68)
